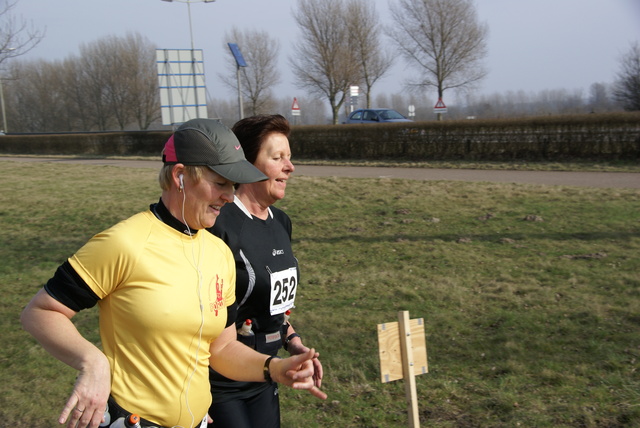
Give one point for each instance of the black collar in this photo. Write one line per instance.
(163, 214)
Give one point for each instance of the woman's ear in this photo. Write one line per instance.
(178, 176)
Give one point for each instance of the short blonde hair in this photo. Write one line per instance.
(192, 171)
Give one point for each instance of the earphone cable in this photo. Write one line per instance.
(196, 264)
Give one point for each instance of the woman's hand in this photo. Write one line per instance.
(295, 347)
(49, 321)
(88, 401)
(298, 372)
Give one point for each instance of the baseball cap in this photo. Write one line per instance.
(209, 142)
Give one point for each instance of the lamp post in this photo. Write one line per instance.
(193, 57)
(4, 114)
(188, 2)
(4, 111)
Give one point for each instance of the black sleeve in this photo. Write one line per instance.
(232, 314)
(283, 219)
(68, 288)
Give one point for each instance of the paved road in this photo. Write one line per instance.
(562, 178)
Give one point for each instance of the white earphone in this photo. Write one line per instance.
(181, 178)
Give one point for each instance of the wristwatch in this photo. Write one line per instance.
(265, 369)
(289, 339)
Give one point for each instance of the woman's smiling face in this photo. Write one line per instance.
(274, 160)
(204, 198)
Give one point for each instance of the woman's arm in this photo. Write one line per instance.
(239, 362)
(49, 321)
(294, 346)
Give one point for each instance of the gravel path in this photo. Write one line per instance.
(560, 178)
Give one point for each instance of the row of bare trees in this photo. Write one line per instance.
(112, 83)
(341, 45)
(512, 104)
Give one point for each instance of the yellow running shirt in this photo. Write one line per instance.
(152, 281)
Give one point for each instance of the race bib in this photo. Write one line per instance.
(284, 285)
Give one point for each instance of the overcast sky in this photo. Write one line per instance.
(534, 45)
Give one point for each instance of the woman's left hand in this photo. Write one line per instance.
(298, 372)
(296, 347)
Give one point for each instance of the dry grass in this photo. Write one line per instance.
(528, 323)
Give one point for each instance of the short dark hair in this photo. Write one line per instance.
(252, 131)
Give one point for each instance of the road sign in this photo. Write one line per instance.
(440, 107)
(295, 108)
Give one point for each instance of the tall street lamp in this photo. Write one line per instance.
(188, 2)
(193, 55)
(4, 112)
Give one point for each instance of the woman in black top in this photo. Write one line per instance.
(267, 277)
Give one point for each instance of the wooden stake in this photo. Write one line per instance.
(410, 390)
(403, 355)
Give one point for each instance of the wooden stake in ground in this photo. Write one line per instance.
(403, 355)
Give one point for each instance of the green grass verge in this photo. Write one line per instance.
(585, 166)
(528, 323)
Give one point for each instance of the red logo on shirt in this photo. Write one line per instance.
(219, 302)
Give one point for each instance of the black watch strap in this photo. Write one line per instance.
(265, 369)
(289, 339)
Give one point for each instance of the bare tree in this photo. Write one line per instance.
(601, 98)
(17, 36)
(120, 79)
(364, 33)
(323, 62)
(627, 86)
(34, 99)
(113, 84)
(94, 65)
(442, 39)
(260, 52)
(79, 104)
(49, 97)
(141, 80)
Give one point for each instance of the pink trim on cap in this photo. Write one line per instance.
(169, 151)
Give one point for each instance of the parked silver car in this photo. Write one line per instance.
(376, 115)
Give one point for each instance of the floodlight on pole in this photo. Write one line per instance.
(188, 2)
(193, 55)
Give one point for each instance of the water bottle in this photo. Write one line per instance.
(287, 315)
(131, 421)
(107, 418)
(245, 330)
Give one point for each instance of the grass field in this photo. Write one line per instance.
(530, 294)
